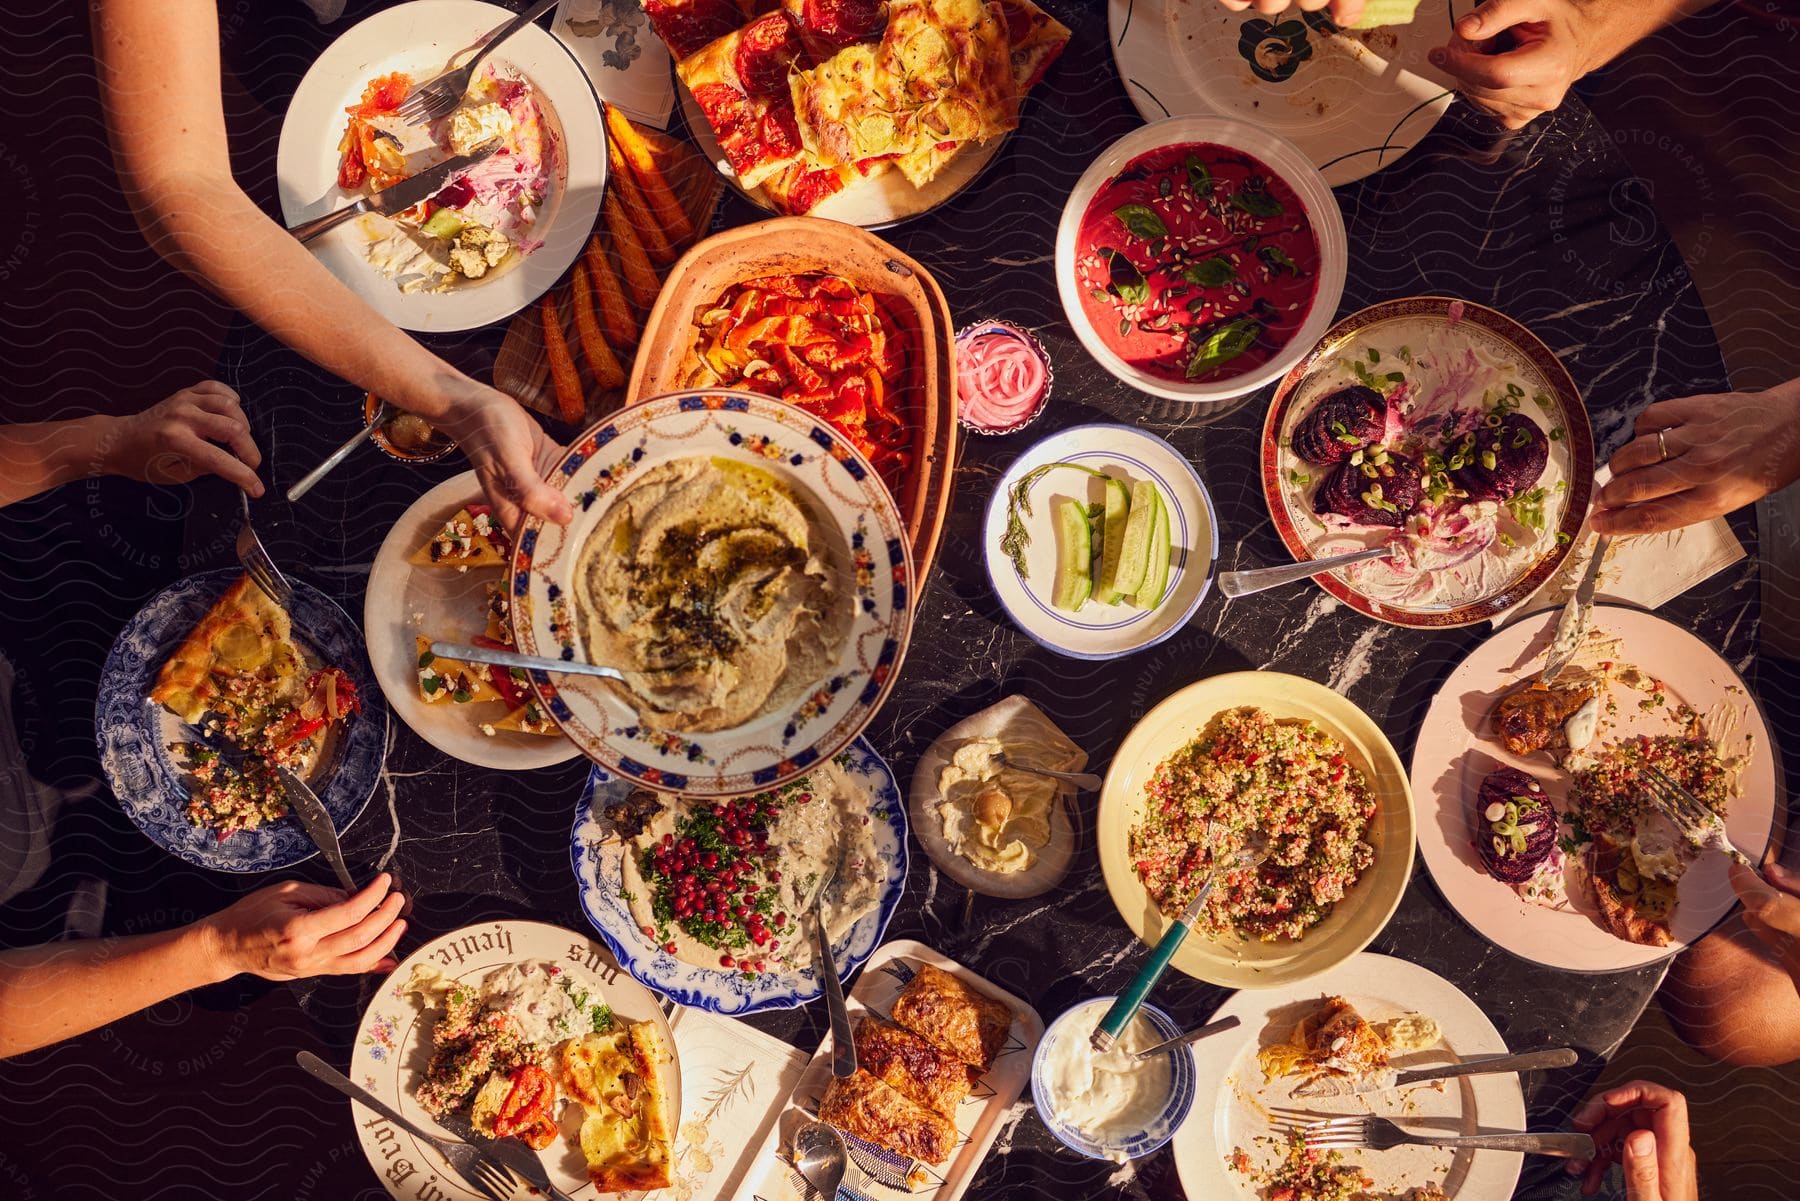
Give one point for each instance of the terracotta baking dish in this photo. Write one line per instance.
(792, 245)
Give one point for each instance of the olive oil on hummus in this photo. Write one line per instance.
(710, 582)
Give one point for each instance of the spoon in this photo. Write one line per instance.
(1192, 1036)
(505, 658)
(821, 1157)
(1081, 779)
(339, 455)
(1256, 579)
(1253, 852)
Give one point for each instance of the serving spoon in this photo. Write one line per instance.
(1081, 779)
(500, 657)
(1256, 579)
(337, 456)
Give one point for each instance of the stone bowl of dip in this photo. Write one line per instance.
(1199, 258)
(1111, 1106)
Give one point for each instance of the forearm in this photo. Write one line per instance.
(1617, 25)
(38, 456)
(62, 989)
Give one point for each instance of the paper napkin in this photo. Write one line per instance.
(624, 59)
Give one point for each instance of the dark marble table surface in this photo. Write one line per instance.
(201, 1092)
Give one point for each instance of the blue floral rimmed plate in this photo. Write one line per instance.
(134, 733)
(865, 541)
(596, 852)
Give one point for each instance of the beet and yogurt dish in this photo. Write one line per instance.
(1196, 262)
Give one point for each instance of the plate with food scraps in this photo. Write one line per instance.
(1390, 1011)
(847, 810)
(1445, 431)
(1198, 258)
(1282, 754)
(440, 576)
(488, 243)
(1100, 540)
(746, 568)
(471, 1023)
(1353, 100)
(998, 829)
(1639, 677)
(943, 1054)
(147, 756)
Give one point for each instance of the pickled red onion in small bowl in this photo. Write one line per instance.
(1002, 378)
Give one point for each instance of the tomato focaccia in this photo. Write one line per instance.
(740, 82)
(687, 25)
(240, 657)
(619, 1079)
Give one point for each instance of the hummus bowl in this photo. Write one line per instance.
(804, 576)
(601, 877)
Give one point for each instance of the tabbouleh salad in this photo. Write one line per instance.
(1248, 770)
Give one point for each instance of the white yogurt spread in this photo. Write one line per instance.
(1109, 1096)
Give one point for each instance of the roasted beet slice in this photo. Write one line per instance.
(1513, 844)
(1368, 493)
(1342, 423)
(1500, 461)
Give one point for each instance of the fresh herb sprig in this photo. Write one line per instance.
(1016, 536)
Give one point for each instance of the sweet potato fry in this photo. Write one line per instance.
(601, 360)
(615, 311)
(563, 374)
(640, 276)
(650, 179)
(643, 219)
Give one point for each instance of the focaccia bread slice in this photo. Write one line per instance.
(240, 656)
(907, 1063)
(878, 1113)
(943, 1010)
(619, 1077)
(740, 83)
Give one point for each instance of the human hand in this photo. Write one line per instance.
(511, 454)
(292, 929)
(1343, 12)
(1517, 58)
(1724, 452)
(1643, 1126)
(178, 439)
(1772, 911)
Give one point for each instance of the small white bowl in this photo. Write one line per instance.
(1079, 1022)
(1285, 160)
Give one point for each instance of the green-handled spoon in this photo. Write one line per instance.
(1253, 852)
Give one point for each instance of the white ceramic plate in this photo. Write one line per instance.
(393, 1045)
(1274, 152)
(1457, 747)
(1380, 988)
(873, 202)
(1096, 630)
(1354, 102)
(404, 600)
(865, 542)
(419, 38)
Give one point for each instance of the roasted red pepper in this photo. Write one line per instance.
(527, 1111)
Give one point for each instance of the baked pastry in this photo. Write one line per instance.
(945, 1011)
(618, 1077)
(878, 1113)
(240, 657)
(1631, 907)
(1333, 1040)
(909, 1064)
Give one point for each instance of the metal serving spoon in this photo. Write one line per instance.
(506, 658)
(340, 454)
(1081, 779)
(821, 1157)
(1256, 579)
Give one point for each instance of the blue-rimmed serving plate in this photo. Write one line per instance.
(866, 545)
(597, 851)
(1098, 630)
(135, 733)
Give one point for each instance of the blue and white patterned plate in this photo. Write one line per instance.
(597, 856)
(1079, 1022)
(863, 537)
(134, 732)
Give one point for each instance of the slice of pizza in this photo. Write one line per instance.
(620, 1078)
(240, 659)
(471, 538)
(740, 82)
(450, 679)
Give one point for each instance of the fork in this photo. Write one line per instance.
(1379, 1134)
(255, 558)
(1693, 816)
(485, 1176)
(445, 90)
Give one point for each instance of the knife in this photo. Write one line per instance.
(399, 197)
(318, 824)
(1571, 627)
(1387, 1078)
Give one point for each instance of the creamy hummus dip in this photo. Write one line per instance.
(994, 816)
(1109, 1096)
(768, 854)
(710, 582)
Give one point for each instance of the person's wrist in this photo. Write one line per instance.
(93, 448)
(212, 950)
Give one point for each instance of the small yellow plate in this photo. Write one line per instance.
(1370, 902)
